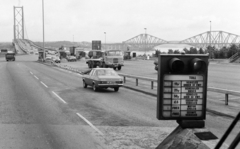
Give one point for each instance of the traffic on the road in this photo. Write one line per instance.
(106, 114)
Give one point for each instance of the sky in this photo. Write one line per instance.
(87, 20)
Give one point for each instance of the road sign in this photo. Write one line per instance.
(182, 87)
(96, 45)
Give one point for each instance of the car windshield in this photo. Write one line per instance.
(106, 73)
(9, 55)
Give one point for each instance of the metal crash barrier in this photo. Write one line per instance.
(211, 89)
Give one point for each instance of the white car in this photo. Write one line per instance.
(71, 58)
(53, 59)
(102, 78)
(56, 59)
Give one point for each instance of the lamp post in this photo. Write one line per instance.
(210, 34)
(210, 42)
(105, 41)
(43, 29)
(145, 40)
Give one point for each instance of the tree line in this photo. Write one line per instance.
(214, 53)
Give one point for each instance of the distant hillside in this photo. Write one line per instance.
(58, 44)
(6, 45)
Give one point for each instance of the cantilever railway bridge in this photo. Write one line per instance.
(217, 39)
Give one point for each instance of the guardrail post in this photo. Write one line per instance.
(152, 84)
(124, 79)
(136, 82)
(226, 99)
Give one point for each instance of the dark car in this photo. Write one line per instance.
(10, 56)
(102, 78)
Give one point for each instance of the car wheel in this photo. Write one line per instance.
(91, 65)
(94, 87)
(84, 84)
(114, 68)
(116, 89)
(104, 65)
(119, 67)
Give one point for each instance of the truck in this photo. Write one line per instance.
(105, 59)
(10, 56)
(127, 55)
(72, 51)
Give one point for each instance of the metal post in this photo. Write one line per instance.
(226, 99)
(43, 29)
(225, 135)
(105, 41)
(136, 82)
(210, 34)
(152, 84)
(124, 79)
(235, 142)
(145, 40)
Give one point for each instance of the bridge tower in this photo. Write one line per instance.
(18, 27)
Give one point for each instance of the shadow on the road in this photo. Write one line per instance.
(17, 61)
(101, 90)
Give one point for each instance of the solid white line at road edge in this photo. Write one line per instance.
(36, 77)
(59, 97)
(90, 124)
(44, 84)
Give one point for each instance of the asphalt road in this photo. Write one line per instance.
(219, 75)
(32, 117)
(225, 76)
(46, 107)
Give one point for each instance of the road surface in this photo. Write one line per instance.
(46, 107)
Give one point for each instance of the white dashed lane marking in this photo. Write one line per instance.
(36, 77)
(59, 97)
(44, 84)
(90, 124)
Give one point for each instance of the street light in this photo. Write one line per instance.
(105, 41)
(210, 42)
(145, 39)
(43, 29)
(210, 34)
